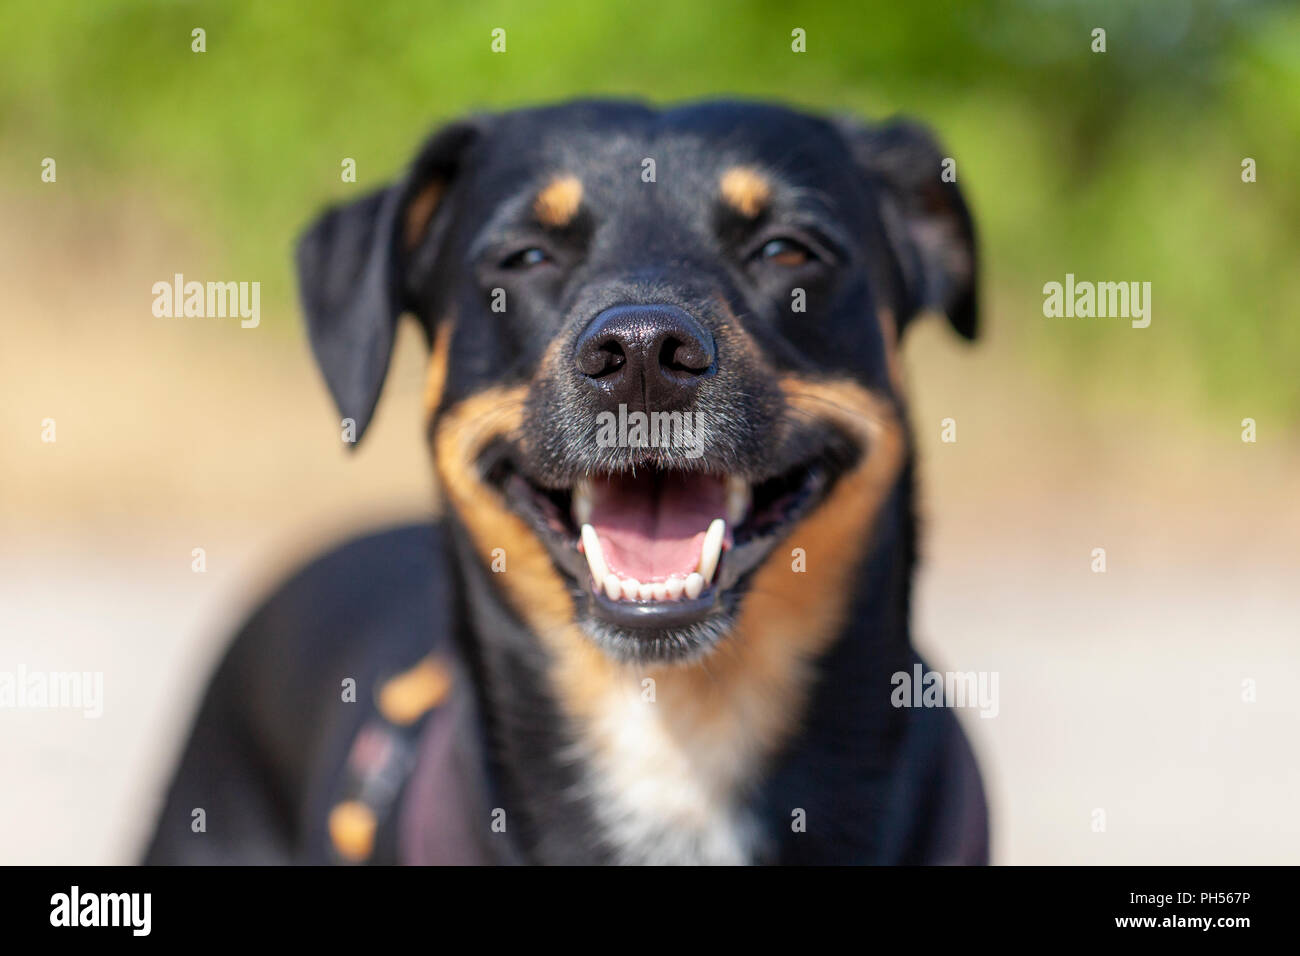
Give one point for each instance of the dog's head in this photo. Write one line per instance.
(663, 365)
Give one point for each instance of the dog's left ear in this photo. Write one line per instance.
(926, 221)
(354, 272)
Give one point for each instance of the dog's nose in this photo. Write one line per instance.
(648, 357)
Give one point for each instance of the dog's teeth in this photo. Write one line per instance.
(582, 503)
(630, 589)
(738, 499)
(595, 554)
(711, 550)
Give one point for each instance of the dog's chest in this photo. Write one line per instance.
(668, 785)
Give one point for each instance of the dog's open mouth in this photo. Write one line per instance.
(657, 552)
(658, 535)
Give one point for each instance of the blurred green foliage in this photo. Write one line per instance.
(1117, 166)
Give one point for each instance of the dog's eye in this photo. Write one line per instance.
(785, 252)
(525, 258)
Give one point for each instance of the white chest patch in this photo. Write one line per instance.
(666, 787)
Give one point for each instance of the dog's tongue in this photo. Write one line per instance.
(652, 526)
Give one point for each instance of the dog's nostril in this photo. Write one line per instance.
(690, 356)
(597, 359)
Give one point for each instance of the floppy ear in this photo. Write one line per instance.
(354, 265)
(926, 221)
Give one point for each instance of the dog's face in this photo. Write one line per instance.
(663, 371)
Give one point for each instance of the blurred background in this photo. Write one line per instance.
(1120, 691)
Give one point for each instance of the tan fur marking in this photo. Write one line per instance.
(352, 827)
(533, 586)
(558, 202)
(745, 190)
(409, 695)
(437, 377)
(434, 383)
(420, 211)
(889, 331)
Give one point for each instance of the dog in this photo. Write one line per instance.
(657, 617)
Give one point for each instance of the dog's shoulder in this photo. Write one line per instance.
(297, 684)
(315, 652)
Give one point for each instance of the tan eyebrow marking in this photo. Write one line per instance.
(558, 202)
(745, 190)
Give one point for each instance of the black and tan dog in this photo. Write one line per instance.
(659, 617)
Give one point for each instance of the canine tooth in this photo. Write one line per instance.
(660, 591)
(711, 550)
(646, 591)
(613, 587)
(631, 589)
(595, 554)
(674, 587)
(738, 499)
(694, 585)
(582, 502)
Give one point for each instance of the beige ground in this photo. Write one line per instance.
(1119, 691)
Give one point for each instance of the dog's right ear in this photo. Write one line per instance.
(353, 265)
